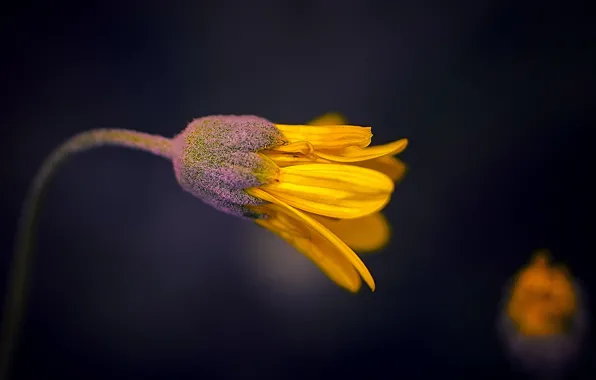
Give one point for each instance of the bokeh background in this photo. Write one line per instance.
(136, 278)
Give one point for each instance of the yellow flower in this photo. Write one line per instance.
(543, 298)
(329, 193)
(299, 181)
(292, 179)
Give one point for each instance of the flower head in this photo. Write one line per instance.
(299, 181)
(216, 158)
(543, 299)
(544, 318)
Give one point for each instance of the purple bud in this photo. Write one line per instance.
(215, 158)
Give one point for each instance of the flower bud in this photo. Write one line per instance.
(215, 158)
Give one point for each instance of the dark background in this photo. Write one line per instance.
(136, 278)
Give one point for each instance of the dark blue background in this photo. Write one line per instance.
(136, 278)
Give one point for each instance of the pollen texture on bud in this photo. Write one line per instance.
(215, 158)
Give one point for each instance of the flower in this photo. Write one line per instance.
(544, 318)
(302, 182)
(299, 181)
(543, 299)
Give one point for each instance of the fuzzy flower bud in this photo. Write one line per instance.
(215, 158)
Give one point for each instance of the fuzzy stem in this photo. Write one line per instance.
(17, 289)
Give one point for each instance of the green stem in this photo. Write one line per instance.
(17, 290)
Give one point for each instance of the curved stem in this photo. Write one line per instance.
(17, 290)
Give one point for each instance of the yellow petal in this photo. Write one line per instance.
(310, 243)
(366, 234)
(318, 228)
(388, 165)
(299, 147)
(282, 159)
(355, 154)
(331, 118)
(297, 153)
(333, 190)
(391, 166)
(328, 136)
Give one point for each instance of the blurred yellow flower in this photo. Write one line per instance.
(543, 300)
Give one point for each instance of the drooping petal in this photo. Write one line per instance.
(317, 228)
(355, 154)
(331, 118)
(298, 147)
(311, 244)
(388, 165)
(282, 159)
(367, 234)
(333, 190)
(328, 136)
